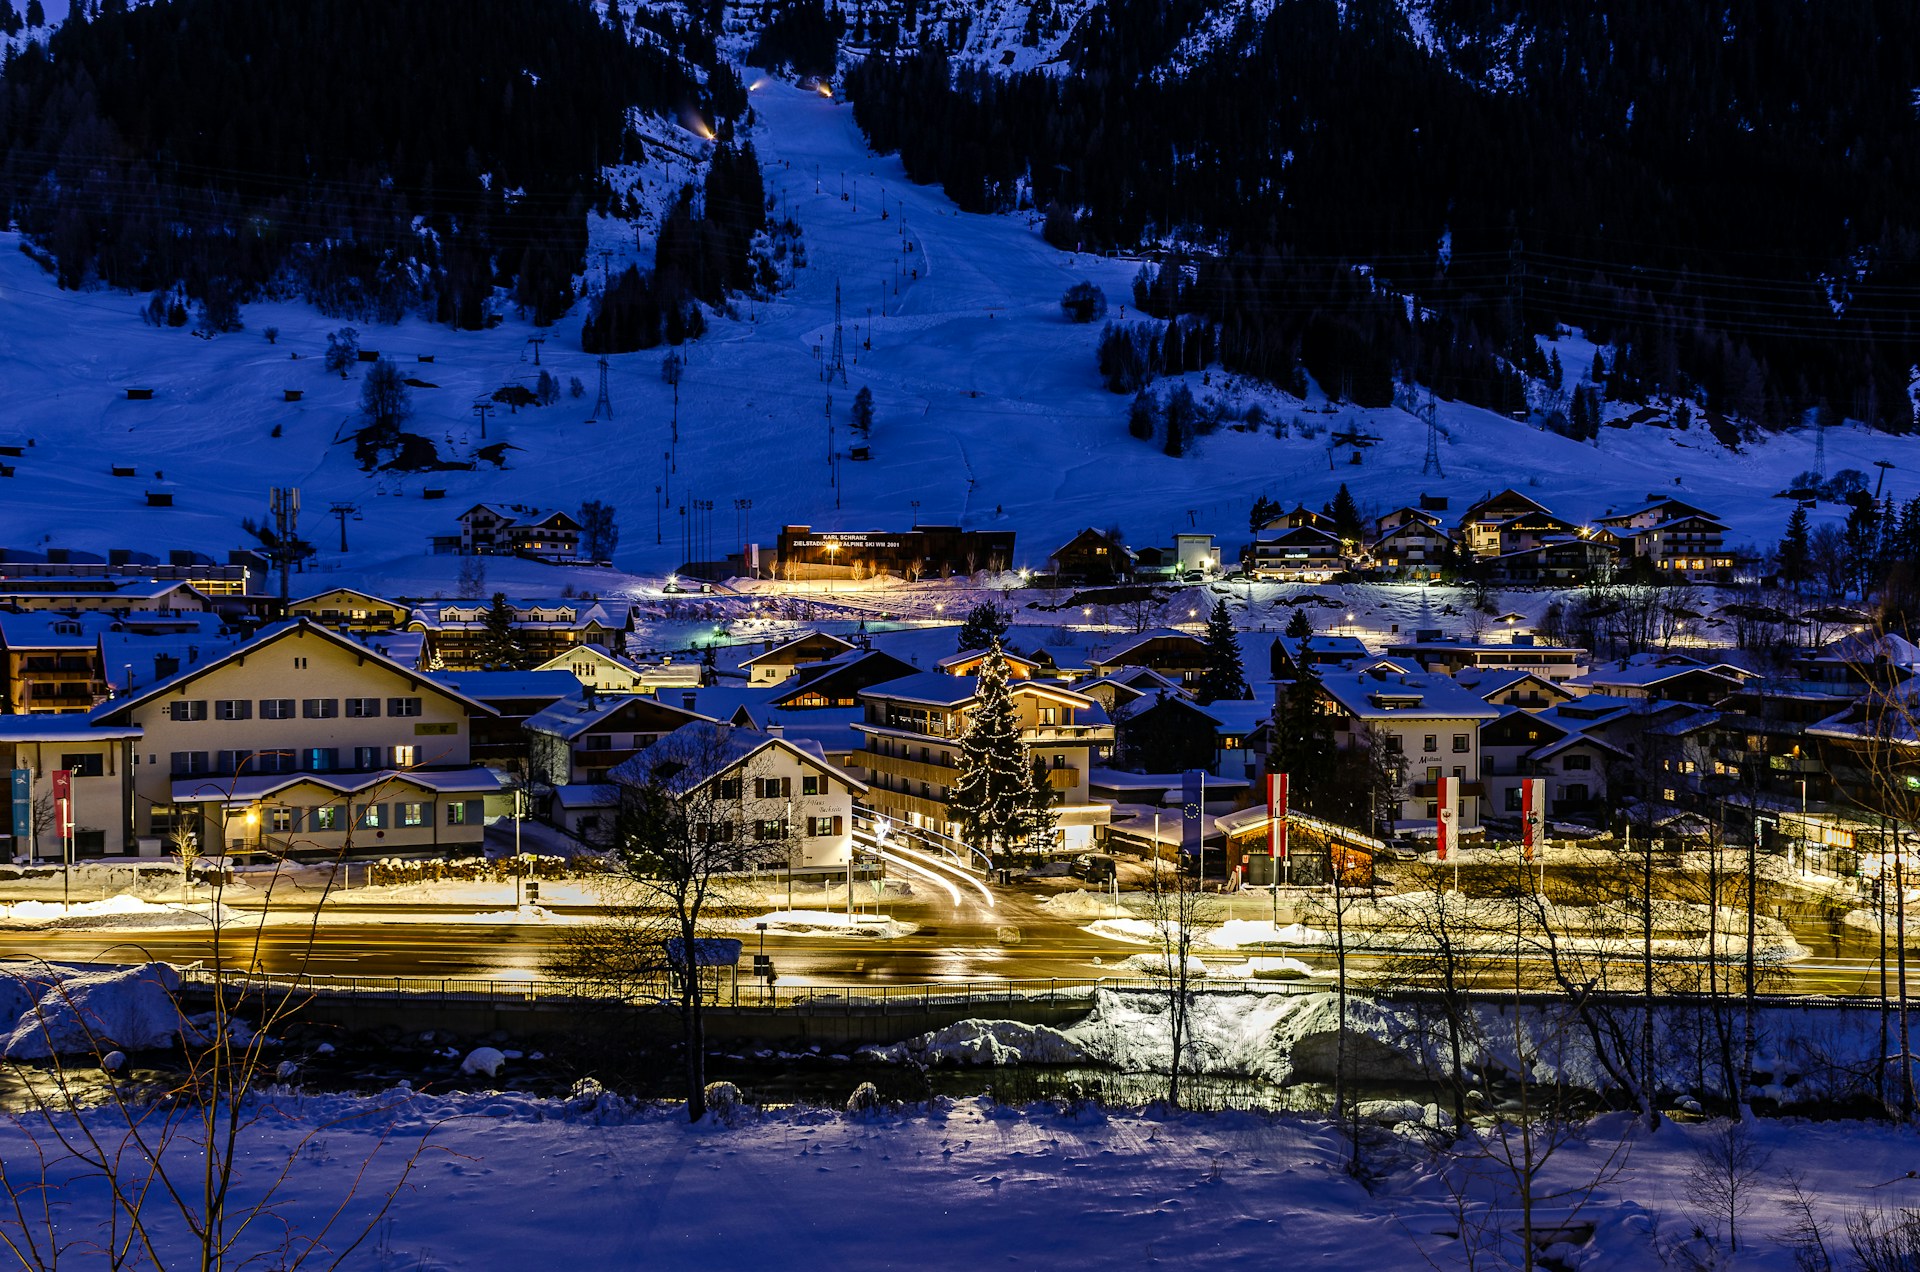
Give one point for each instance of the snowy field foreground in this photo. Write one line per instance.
(511, 1181)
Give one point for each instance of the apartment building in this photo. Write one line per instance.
(308, 742)
(913, 727)
(1431, 722)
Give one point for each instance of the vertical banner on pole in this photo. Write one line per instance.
(1276, 815)
(1193, 834)
(1446, 820)
(62, 805)
(1533, 815)
(22, 808)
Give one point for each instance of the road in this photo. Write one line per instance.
(1014, 942)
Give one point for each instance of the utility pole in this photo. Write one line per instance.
(838, 363)
(483, 409)
(602, 402)
(341, 511)
(285, 549)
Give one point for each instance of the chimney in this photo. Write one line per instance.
(688, 698)
(776, 730)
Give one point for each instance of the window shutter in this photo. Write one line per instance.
(476, 812)
(759, 788)
(836, 825)
(786, 788)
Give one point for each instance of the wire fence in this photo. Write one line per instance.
(904, 999)
(745, 994)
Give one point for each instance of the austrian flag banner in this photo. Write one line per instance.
(1276, 815)
(1447, 820)
(1533, 815)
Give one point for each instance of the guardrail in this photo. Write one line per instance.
(848, 999)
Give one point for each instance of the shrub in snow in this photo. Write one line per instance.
(865, 1100)
(113, 1061)
(130, 1009)
(724, 1104)
(483, 1060)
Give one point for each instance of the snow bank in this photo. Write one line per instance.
(1081, 904)
(985, 1042)
(828, 923)
(129, 1009)
(122, 911)
(483, 1061)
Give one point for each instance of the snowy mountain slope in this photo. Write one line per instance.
(989, 409)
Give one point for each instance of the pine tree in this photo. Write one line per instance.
(1143, 416)
(1303, 743)
(1223, 677)
(993, 800)
(985, 627)
(1299, 626)
(1796, 556)
(1346, 515)
(501, 648)
(863, 412)
(1263, 511)
(1041, 819)
(1180, 413)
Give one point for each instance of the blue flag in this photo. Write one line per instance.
(1193, 812)
(22, 805)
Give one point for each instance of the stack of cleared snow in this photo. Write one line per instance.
(127, 1009)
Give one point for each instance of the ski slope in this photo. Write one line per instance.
(988, 406)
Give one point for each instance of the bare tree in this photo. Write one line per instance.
(191, 1168)
(1179, 910)
(1727, 1164)
(697, 807)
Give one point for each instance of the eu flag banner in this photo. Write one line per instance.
(22, 803)
(1193, 807)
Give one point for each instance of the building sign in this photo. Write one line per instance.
(428, 729)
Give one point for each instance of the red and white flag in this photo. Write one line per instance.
(1276, 815)
(1446, 820)
(1533, 816)
(62, 781)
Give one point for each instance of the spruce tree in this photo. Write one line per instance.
(984, 628)
(1796, 557)
(1303, 743)
(1040, 819)
(1299, 626)
(1346, 515)
(1263, 511)
(1223, 677)
(501, 648)
(993, 800)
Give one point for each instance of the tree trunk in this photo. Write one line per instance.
(1649, 1080)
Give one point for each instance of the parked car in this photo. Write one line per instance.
(1094, 867)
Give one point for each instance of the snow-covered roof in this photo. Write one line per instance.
(274, 634)
(697, 753)
(68, 727)
(775, 655)
(496, 685)
(257, 786)
(1367, 696)
(1117, 652)
(572, 716)
(579, 795)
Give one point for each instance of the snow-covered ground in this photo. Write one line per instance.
(506, 1180)
(989, 411)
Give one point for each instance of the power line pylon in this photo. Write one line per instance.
(603, 402)
(1431, 413)
(838, 365)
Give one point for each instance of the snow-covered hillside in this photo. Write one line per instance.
(989, 410)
